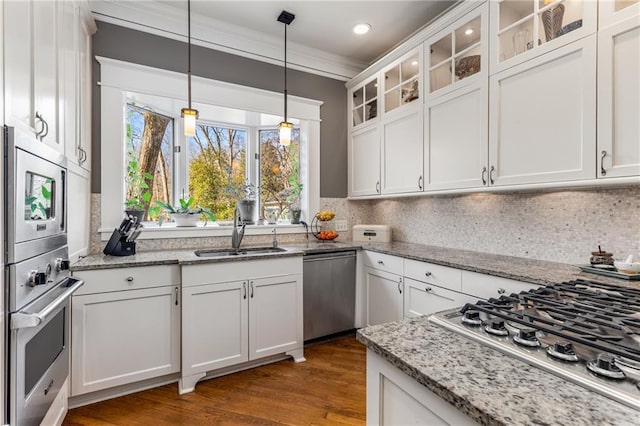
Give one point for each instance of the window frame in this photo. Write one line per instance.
(119, 78)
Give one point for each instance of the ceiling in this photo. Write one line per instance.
(321, 29)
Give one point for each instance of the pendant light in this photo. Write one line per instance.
(285, 127)
(189, 114)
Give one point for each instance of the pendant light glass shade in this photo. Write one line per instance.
(189, 114)
(285, 133)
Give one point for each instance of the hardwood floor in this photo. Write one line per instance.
(327, 389)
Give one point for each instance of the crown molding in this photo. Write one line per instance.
(166, 21)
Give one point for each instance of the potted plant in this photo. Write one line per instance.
(138, 194)
(246, 196)
(294, 197)
(185, 214)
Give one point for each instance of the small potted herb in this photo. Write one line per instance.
(186, 214)
(246, 196)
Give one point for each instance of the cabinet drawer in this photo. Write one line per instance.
(425, 299)
(222, 272)
(442, 276)
(383, 262)
(488, 286)
(106, 280)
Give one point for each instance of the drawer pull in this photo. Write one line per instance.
(129, 279)
(427, 274)
(380, 262)
(501, 291)
(427, 289)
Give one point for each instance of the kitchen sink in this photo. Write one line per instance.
(241, 252)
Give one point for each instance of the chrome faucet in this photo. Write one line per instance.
(236, 236)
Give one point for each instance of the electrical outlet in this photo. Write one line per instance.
(341, 225)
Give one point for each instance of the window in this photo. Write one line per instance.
(280, 181)
(149, 149)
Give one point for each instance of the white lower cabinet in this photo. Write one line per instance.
(384, 296)
(129, 333)
(238, 312)
(425, 299)
(487, 286)
(393, 398)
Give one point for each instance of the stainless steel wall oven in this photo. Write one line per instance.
(38, 282)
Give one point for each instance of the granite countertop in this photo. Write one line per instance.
(490, 387)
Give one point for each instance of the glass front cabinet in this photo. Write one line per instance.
(523, 29)
(401, 82)
(364, 102)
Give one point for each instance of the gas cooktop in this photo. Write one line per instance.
(584, 331)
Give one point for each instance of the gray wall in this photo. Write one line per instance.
(113, 41)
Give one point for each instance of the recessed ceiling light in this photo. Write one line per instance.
(414, 63)
(469, 31)
(361, 28)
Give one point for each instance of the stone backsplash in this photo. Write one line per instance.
(562, 226)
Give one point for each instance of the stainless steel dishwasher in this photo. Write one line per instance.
(329, 286)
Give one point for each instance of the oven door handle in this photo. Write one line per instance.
(27, 320)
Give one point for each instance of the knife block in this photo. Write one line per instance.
(119, 246)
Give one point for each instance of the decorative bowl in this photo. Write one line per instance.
(627, 268)
(569, 27)
(326, 235)
(467, 66)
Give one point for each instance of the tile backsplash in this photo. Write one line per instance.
(562, 226)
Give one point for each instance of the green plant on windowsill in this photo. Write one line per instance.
(186, 214)
(138, 194)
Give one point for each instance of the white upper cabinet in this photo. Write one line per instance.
(619, 98)
(401, 82)
(364, 162)
(542, 118)
(523, 29)
(614, 11)
(456, 134)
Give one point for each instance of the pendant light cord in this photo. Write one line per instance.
(285, 72)
(189, 48)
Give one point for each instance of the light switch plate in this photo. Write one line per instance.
(341, 225)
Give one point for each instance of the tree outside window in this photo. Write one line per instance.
(149, 144)
(280, 184)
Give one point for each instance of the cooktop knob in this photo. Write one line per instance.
(496, 327)
(472, 317)
(527, 337)
(605, 366)
(563, 351)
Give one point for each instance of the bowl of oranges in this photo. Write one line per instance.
(321, 226)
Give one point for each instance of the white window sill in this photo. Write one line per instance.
(169, 230)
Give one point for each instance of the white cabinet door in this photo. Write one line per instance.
(123, 337)
(614, 11)
(275, 315)
(402, 166)
(45, 70)
(83, 120)
(78, 216)
(457, 138)
(542, 118)
(619, 99)
(68, 67)
(384, 296)
(214, 326)
(364, 156)
(425, 299)
(18, 64)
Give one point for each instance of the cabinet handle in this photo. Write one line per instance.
(39, 118)
(420, 183)
(501, 291)
(46, 129)
(83, 155)
(378, 187)
(603, 172)
(400, 285)
(252, 288)
(427, 289)
(176, 290)
(244, 290)
(427, 274)
(129, 279)
(484, 175)
(380, 262)
(493, 169)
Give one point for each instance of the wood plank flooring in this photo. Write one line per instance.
(327, 389)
